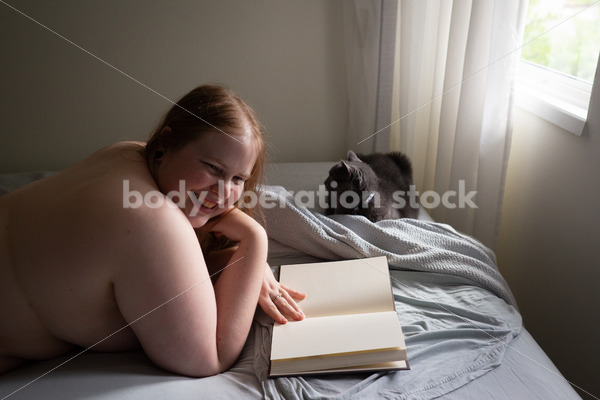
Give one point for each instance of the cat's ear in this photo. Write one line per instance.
(347, 167)
(351, 156)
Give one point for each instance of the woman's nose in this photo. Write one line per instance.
(222, 188)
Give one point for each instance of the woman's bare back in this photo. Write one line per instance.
(61, 239)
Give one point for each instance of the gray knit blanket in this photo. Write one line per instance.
(408, 244)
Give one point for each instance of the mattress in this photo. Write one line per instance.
(517, 369)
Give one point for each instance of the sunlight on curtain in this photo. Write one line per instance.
(452, 101)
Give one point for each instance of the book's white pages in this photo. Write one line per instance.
(341, 287)
(351, 322)
(376, 336)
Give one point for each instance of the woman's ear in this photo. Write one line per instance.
(162, 150)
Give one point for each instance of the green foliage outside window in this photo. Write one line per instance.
(572, 47)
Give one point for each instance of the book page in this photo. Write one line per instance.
(341, 287)
(321, 336)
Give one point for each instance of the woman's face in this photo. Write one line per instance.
(212, 170)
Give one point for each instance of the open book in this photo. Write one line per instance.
(350, 325)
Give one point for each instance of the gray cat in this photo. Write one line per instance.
(376, 186)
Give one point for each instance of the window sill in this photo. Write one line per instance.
(560, 113)
(553, 96)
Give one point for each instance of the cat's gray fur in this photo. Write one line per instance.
(383, 174)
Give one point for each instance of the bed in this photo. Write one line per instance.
(464, 334)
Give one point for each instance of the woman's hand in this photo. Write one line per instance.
(279, 301)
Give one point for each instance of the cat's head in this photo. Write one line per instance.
(350, 175)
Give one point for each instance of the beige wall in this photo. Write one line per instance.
(549, 244)
(59, 104)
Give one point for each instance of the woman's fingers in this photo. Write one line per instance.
(272, 311)
(282, 307)
(288, 306)
(279, 301)
(294, 293)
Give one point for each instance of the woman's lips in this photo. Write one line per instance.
(205, 202)
(209, 204)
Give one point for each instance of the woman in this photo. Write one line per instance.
(105, 254)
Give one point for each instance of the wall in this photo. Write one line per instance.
(60, 103)
(548, 247)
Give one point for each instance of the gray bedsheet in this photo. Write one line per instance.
(455, 333)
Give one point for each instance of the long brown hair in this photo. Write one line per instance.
(209, 108)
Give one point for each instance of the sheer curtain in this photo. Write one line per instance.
(445, 74)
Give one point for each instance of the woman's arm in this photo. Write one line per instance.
(237, 289)
(281, 311)
(164, 291)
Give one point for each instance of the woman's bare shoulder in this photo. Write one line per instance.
(106, 168)
(151, 220)
(156, 249)
(130, 150)
(125, 145)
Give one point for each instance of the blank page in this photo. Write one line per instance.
(330, 335)
(341, 287)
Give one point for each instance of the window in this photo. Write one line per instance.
(559, 60)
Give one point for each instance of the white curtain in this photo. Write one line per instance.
(362, 25)
(444, 96)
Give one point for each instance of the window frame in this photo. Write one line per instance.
(556, 97)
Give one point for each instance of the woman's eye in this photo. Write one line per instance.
(239, 179)
(212, 167)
